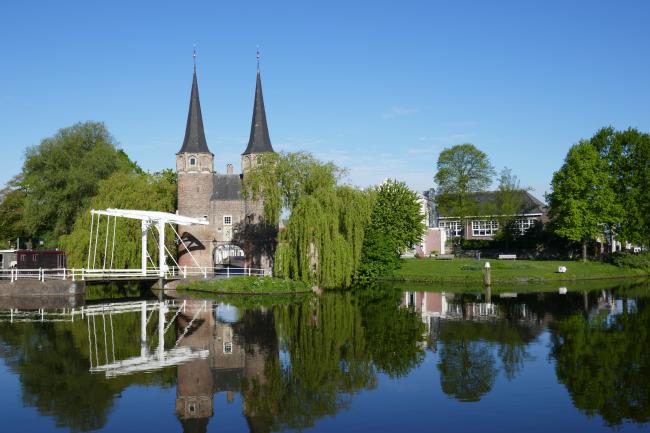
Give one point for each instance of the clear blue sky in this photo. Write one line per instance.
(378, 87)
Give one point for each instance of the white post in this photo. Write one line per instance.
(228, 272)
(185, 271)
(143, 328)
(161, 330)
(144, 226)
(162, 260)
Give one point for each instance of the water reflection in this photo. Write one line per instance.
(290, 365)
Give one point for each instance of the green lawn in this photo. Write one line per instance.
(247, 285)
(470, 271)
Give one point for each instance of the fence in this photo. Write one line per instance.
(171, 273)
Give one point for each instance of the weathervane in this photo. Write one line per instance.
(258, 58)
(194, 56)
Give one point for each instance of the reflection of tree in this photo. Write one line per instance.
(52, 362)
(328, 363)
(467, 369)
(605, 364)
(513, 357)
(392, 333)
(334, 344)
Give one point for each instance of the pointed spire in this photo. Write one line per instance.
(194, 134)
(259, 141)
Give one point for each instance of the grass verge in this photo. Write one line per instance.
(470, 271)
(247, 286)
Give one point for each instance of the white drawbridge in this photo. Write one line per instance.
(148, 219)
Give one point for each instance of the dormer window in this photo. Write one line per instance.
(192, 161)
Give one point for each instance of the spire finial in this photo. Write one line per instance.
(258, 58)
(194, 57)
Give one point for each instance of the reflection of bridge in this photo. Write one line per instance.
(101, 335)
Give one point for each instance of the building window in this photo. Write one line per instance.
(452, 227)
(485, 228)
(227, 347)
(192, 161)
(227, 220)
(523, 224)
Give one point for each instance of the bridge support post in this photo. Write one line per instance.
(144, 226)
(162, 259)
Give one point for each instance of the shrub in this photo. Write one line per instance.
(630, 260)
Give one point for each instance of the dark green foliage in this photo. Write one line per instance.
(62, 174)
(396, 224)
(12, 202)
(123, 190)
(630, 260)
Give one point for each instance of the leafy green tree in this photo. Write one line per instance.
(396, 224)
(462, 170)
(582, 199)
(508, 207)
(627, 154)
(122, 190)
(324, 232)
(12, 199)
(62, 173)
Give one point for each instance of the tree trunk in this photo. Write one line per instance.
(584, 250)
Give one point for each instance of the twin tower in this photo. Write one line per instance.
(206, 193)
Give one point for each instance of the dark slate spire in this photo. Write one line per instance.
(259, 140)
(194, 141)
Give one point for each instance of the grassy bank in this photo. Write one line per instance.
(247, 285)
(470, 271)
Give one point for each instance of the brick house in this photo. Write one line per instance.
(485, 227)
(204, 192)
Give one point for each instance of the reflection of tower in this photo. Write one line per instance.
(239, 344)
(194, 386)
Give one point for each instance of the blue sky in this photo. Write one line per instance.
(378, 87)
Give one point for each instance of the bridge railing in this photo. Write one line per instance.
(172, 272)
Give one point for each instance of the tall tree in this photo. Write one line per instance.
(396, 224)
(582, 199)
(462, 170)
(127, 191)
(61, 175)
(322, 239)
(627, 154)
(12, 201)
(509, 205)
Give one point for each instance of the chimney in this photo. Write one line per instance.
(229, 169)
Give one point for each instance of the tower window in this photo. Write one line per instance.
(192, 161)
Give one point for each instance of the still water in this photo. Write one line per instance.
(386, 361)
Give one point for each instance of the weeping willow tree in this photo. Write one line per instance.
(323, 237)
(123, 191)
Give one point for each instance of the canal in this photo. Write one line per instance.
(452, 360)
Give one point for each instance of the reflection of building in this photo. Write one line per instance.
(237, 358)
